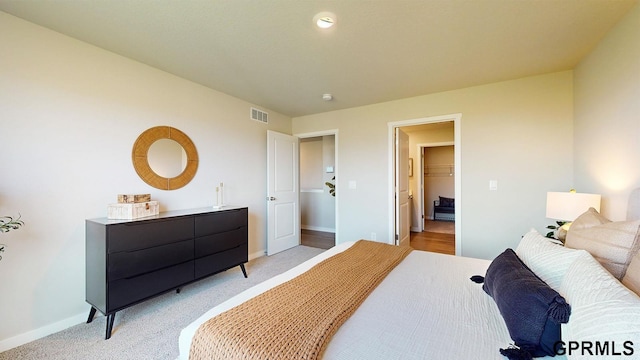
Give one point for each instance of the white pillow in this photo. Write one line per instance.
(602, 310)
(549, 261)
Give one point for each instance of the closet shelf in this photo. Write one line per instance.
(439, 170)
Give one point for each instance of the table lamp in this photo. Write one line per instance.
(567, 206)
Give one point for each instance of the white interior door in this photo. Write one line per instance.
(283, 204)
(403, 215)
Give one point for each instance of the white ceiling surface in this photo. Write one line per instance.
(270, 53)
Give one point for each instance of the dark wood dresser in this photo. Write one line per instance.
(130, 261)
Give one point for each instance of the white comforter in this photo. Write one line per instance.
(426, 308)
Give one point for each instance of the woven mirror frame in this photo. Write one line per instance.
(140, 159)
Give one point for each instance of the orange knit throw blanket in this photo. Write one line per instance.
(296, 320)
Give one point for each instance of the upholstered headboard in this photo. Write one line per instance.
(633, 209)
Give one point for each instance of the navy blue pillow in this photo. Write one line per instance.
(531, 309)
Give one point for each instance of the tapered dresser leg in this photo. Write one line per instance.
(110, 319)
(92, 313)
(244, 271)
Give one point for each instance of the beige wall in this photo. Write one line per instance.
(69, 114)
(607, 117)
(513, 131)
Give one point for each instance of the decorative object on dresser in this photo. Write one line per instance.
(131, 207)
(219, 197)
(133, 198)
(130, 261)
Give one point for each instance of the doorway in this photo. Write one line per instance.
(437, 182)
(416, 182)
(318, 200)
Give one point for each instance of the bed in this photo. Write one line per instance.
(419, 311)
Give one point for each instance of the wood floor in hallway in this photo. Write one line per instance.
(439, 237)
(318, 239)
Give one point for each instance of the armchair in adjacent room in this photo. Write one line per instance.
(444, 209)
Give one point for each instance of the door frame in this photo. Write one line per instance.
(457, 124)
(336, 170)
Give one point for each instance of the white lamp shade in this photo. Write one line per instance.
(568, 206)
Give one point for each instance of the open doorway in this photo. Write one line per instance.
(443, 131)
(435, 200)
(318, 195)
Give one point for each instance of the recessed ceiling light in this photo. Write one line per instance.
(324, 20)
(327, 97)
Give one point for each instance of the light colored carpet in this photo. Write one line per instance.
(443, 227)
(150, 330)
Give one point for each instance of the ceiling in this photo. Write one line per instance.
(271, 54)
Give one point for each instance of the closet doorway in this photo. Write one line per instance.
(436, 231)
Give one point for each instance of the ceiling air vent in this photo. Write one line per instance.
(259, 115)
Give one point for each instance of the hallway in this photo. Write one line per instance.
(438, 236)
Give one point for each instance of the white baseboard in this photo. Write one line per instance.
(317, 228)
(36, 334)
(257, 254)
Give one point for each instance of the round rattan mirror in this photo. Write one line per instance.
(140, 159)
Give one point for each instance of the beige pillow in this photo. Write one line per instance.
(613, 244)
(589, 218)
(632, 278)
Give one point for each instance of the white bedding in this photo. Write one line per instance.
(426, 308)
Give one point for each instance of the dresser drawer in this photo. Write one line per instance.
(221, 261)
(222, 221)
(127, 264)
(212, 244)
(125, 292)
(144, 234)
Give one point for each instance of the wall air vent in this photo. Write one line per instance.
(259, 115)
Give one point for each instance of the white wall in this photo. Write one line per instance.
(311, 164)
(69, 115)
(607, 117)
(517, 132)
